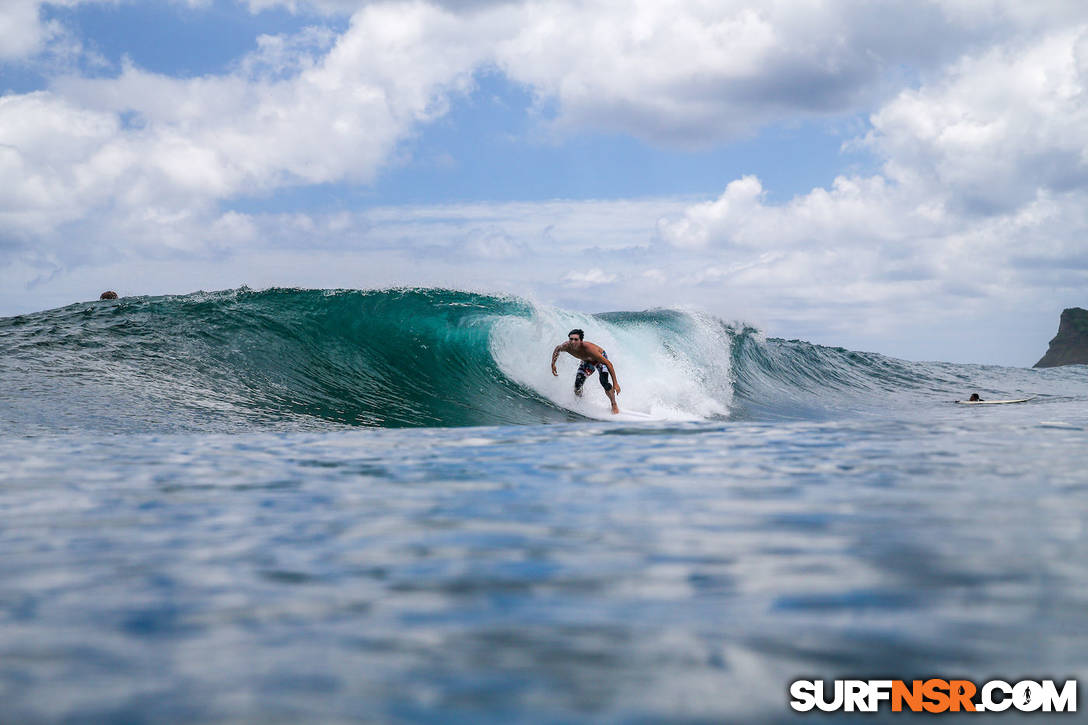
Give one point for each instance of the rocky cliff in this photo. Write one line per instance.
(1070, 345)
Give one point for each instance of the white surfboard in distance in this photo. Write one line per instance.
(995, 402)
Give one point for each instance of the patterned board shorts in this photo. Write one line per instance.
(588, 368)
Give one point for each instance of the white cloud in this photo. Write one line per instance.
(22, 32)
(491, 244)
(282, 56)
(117, 145)
(982, 205)
(717, 218)
(347, 7)
(315, 108)
(998, 127)
(56, 160)
(692, 73)
(588, 278)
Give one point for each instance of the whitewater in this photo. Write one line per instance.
(379, 505)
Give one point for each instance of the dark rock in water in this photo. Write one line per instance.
(1070, 345)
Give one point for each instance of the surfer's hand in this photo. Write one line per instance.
(617, 387)
(555, 372)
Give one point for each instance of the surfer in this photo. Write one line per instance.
(594, 359)
(974, 398)
(108, 295)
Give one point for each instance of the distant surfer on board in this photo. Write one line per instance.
(594, 359)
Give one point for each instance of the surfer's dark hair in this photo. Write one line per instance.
(580, 333)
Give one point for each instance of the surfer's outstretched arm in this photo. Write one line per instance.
(555, 356)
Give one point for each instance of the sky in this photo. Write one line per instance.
(904, 177)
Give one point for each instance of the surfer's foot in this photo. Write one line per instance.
(615, 410)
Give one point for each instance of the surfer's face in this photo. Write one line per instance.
(574, 340)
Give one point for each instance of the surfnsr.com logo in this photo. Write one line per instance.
(933, 695)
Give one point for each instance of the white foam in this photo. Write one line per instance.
(1058, 424)
(667, 375)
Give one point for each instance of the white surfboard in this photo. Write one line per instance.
(634, 415)
(995, 402)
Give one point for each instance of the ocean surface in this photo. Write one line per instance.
(294, 506)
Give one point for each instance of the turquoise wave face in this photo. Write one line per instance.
(230, 360)
(314, 359)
